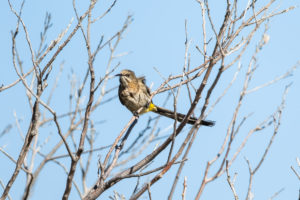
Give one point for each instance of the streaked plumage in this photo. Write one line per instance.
(134, 94)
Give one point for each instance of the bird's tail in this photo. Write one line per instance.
(180, 117)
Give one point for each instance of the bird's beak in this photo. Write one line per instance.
(118, 75)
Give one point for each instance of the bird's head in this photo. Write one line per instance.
(126, 76)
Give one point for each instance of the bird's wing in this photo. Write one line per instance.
(143, 81)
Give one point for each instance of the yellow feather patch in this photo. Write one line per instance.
(151, 107)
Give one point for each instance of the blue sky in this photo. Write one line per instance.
(155, 39)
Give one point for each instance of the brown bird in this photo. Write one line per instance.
(134, 94)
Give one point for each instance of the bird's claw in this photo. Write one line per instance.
(136, 114)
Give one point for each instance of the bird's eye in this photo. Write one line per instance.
(127, 75)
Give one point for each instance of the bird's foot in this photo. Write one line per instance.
(136, 114)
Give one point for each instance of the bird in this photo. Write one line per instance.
(135, 96)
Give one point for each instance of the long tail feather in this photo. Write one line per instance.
(180, 117)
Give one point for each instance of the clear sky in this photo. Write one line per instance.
(155, 39)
